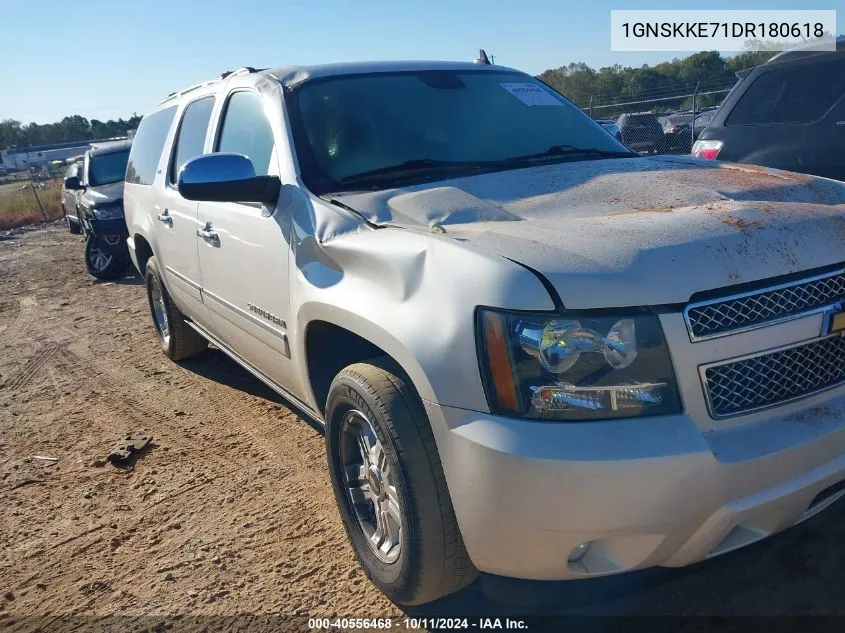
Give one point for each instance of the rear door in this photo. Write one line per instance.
(790, 116)
(245, 269)
(176, 218)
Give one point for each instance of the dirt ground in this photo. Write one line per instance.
(229, 512)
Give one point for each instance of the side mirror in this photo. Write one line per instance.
(73, 183)
(226, 178)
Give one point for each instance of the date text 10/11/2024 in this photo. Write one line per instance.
(439, 624)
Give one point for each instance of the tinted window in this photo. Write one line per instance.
(191, 137)
(105, 169)
(246, 131)
(797, 94)
(147, 146)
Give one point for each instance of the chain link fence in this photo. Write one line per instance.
(656, 123)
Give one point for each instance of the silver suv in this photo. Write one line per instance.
(535, 353)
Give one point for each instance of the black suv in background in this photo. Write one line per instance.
(641, 131)
(788, 113)
(99, 187)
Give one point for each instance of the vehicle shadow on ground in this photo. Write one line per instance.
(132, 279)
(215, 365)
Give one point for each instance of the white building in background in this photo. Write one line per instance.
(40, 155)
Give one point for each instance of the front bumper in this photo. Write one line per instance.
(655, 492)
(111, 235)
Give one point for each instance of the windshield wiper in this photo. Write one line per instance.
(421, 165)
(416, 166)
(570, 151)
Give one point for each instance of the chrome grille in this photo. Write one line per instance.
(771, 379)
(753, 309)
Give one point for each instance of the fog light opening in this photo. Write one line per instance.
(579, 552)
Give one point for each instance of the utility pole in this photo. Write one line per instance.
(37, 199)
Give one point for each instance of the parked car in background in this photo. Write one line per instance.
(641, 131)
(70, 198)
(99, 190)
(535, 354)
(679, 134)
(788, 113)
(611, 127)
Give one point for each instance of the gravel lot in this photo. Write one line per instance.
(229, 512)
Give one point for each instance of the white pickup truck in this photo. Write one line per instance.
(535, 353)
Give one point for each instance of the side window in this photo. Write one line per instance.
(797, 94)
(190, 139)
(147, 146)
(246, 131)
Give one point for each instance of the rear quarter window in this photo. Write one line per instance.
(802, 93)
(148, 145)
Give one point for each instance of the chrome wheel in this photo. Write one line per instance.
(98, 258)
(159, 311)
(371, 486)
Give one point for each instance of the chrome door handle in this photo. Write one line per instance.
(165, 218)
(207, 234)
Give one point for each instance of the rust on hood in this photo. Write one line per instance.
(602, 231)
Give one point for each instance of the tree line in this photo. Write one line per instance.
(617, 84)
(71, 128)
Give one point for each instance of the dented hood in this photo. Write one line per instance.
(635, 231)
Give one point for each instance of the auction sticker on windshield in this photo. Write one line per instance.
(531, 94)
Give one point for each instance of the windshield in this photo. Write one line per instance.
(409, 127)
(105, 169)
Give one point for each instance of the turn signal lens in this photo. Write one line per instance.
(499, 361)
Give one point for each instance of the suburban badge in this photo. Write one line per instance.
(266, 315)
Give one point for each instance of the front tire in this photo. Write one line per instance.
(390, 488)
(177, 339)
(100, 263)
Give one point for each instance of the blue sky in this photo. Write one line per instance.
(104, 59)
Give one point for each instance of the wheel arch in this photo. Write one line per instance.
(142, 252)
(327, 347)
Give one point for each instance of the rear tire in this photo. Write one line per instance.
(406, 480)
(102, 265)
(177, 339)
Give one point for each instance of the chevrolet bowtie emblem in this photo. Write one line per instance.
(834, 319)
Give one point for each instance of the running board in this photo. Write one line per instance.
(299, 404)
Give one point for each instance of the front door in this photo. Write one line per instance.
(244, 254)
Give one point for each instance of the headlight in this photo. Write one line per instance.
(111, 212)
(576, 366)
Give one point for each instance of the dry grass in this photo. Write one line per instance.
(20, 208)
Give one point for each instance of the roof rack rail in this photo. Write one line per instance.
(179, 93)
(237, 71)
(223, 75)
